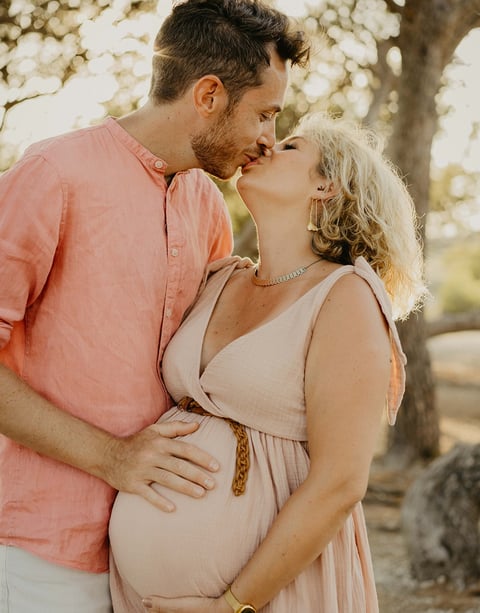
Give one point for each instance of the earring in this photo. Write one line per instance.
(312, 222)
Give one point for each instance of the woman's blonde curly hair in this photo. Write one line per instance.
(371, 213)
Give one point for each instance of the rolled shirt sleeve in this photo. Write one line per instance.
(31, 211)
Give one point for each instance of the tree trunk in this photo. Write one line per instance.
(430, 31)
(416, 434)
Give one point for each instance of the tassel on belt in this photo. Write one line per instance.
(242, 463)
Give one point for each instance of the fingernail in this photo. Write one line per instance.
(214, 465)
(199, 491)
(209, 483)
(147, 603)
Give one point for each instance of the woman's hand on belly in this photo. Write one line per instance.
(189, 604)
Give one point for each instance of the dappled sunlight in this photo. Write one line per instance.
(115, 44)
(107, 65)
(82, 61)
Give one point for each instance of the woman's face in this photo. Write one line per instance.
(287, 175)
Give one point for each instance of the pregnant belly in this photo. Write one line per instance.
(200, 547)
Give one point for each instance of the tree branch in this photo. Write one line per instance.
(453, 323)
(393, 7)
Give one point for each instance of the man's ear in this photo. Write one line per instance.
(209, 96)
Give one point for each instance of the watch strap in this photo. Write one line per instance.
(236, 605)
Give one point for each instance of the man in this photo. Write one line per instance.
(104, 236)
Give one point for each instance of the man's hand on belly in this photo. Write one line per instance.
(154, 455)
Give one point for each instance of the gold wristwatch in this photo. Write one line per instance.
(237, 606)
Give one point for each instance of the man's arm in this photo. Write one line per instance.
(130, 464)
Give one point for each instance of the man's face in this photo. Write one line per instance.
(237, 138)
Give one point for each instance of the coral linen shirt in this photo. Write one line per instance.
(99, 259)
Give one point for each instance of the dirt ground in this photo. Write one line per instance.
(456, 365)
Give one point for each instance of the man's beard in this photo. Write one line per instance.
(216, 149)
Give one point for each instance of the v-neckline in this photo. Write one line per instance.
(208, 318)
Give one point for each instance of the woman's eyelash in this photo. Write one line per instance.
(289, 146)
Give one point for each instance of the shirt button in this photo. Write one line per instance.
(168, 312)
(158, 165)
(174, 252)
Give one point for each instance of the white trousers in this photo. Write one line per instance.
(29, 584)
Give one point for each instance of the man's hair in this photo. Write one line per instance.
(231, 39)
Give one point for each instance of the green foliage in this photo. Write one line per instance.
(351, 60)
(44, 44)
(460, 290)
(451, 186)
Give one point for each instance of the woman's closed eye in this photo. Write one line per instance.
(268, 116)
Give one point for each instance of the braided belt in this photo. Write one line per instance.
(242, 463)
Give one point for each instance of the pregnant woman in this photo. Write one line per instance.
(287, 367)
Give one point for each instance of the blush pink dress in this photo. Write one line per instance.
(257, 380)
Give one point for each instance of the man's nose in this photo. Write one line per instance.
(267, 138)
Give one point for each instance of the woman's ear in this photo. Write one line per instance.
(325, 190)
(209, 96)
